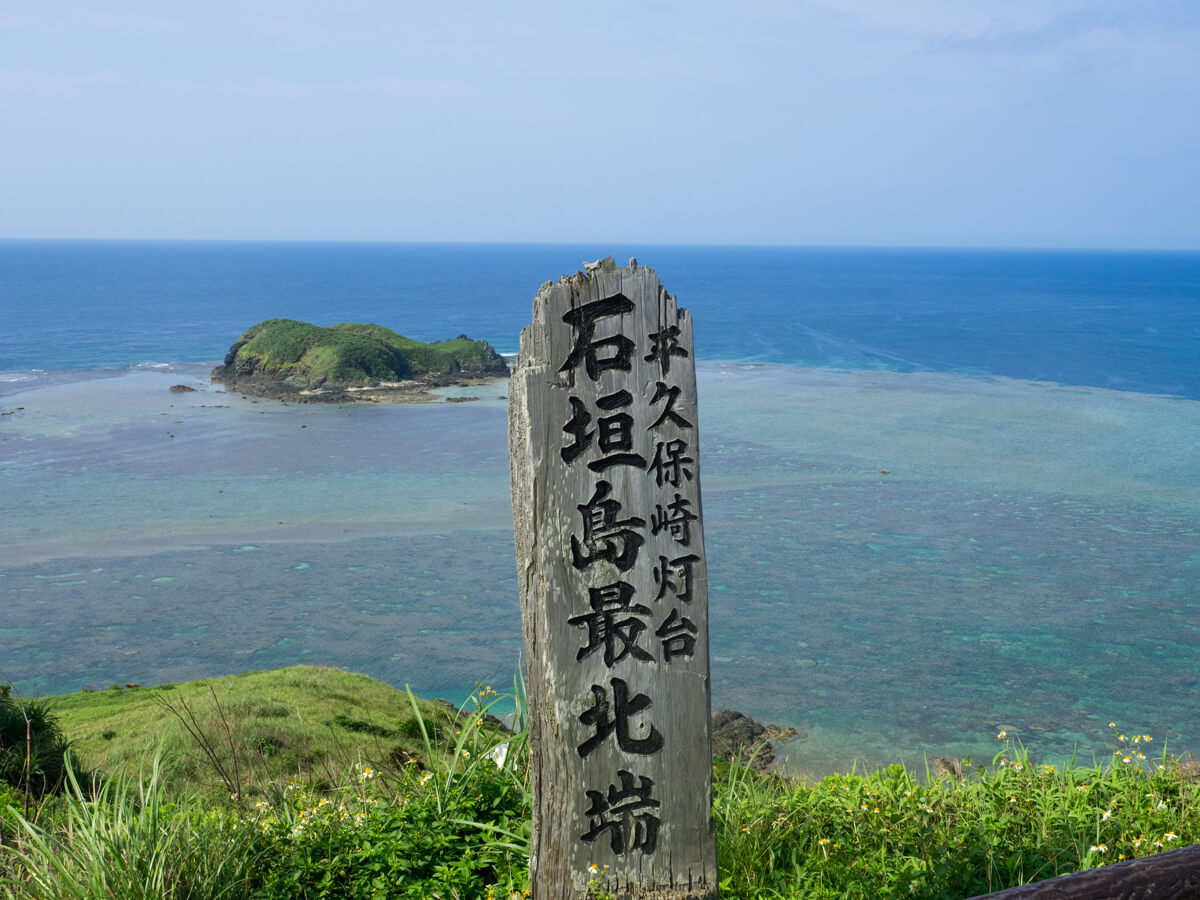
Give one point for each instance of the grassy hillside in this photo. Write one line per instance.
(303, 722)
(332, 805)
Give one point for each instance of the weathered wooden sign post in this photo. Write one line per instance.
(614, 591)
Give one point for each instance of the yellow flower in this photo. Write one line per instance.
(1002, 735)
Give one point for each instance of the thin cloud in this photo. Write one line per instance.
(1171, 17)
(46, 18)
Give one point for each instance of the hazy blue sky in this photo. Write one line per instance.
(901, 122)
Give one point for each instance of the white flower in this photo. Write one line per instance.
(1107, 815)
(1098, 848)
(498, 755)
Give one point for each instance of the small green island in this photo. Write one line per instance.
(288, 359)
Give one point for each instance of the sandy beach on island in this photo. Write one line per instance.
(899, 563)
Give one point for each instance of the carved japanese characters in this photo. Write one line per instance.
(607, 513)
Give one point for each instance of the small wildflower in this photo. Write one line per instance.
(1170, 836)
(1002, 735)
(1107, 815)
(1098, 848)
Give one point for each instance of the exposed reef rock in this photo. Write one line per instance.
(943, 767)
(291, 360)
(736, 736)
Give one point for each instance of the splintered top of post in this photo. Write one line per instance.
(573, 308)
(614, 587)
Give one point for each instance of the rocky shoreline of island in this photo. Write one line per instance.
(420, 390)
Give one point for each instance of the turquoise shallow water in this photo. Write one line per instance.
(900, 563)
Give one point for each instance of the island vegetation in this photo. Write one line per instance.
(312, 782)
(349, 361)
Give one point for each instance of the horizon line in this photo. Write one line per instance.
(967, 248)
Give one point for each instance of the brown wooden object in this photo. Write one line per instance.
(1174, 875)
(603, 438)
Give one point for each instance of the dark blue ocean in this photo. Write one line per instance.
(1129, 321)
(946, 492)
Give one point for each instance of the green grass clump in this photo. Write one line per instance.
(127, 838)
(892, 833)
(449, 816)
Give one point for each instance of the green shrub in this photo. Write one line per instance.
(43, 754)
